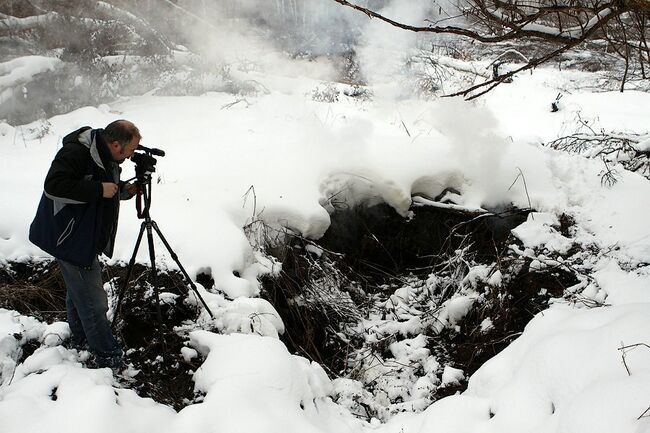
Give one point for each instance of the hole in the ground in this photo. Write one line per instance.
(338, 296)
(380, 243)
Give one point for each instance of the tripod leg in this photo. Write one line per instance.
(128, 276)
(152, 258)
(180, 266)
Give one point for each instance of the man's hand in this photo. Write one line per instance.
(108, 189)
(131, 188)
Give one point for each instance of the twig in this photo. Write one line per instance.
(237, 101)
(523, 178)
(405, 128)
(644, 414)
(625, 349)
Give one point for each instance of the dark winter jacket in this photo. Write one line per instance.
(73, 221)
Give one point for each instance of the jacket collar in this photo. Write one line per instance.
(93, 141)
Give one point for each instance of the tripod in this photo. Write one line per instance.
(143, 183)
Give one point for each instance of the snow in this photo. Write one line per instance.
(540, 229)
(83, 396)
(486, 325)
(565, 358)
(251, 380)
(458, 307)
(622, 287)
(452, 376)
(189, 353)
(570, 33)
(283, 159)
(643, 145)
(564, 374)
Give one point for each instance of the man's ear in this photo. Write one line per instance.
(115, 145)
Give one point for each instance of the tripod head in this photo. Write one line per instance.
(145, 163)
(145, 166)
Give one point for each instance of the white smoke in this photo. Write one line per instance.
(384, 48)
(478, 146)
(298, 37)
(269, 32)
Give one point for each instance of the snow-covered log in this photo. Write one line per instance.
(9, 23)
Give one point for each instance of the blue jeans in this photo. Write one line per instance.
(86, 305)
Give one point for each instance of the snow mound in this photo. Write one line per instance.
(562, 362)
(253, 384)
(564, 374)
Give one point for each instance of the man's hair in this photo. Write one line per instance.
(121, 131)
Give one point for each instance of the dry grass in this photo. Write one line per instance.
(33, 289)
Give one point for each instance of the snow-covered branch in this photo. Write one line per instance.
(19, 24)
(631, 151)
(510, 27)
(136, 22)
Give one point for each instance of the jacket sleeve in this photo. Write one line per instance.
(66, 178)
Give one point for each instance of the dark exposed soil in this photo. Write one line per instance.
(509, 309)
(154, 347)
(379, 243)
(378, 247)
(164, 376)
(306, 330)
(371, 250)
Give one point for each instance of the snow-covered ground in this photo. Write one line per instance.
(564, 374)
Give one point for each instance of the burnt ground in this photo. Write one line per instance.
(510, 309)
(38, 290)
(369, 252)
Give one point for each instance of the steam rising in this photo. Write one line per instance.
(307, 29)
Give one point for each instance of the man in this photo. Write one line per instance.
(77, 220)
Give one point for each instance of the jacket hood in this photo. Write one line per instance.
(89, 138)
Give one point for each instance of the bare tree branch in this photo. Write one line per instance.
(567, 24)
(530, 26)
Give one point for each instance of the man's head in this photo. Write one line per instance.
(122, 138)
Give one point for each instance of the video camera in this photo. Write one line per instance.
(145, 163)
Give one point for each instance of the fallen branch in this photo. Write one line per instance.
(611, 147)
(469, 211)
(625, 349)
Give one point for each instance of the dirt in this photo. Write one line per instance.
(372, 248)
(379, 243)
(151, 347)
(375, 249)
(367, 251)
(510, 309)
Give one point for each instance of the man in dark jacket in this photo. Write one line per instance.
(77, 220)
